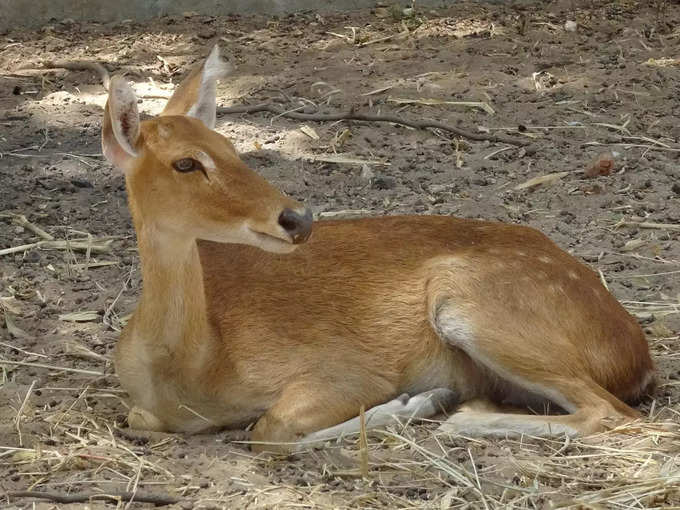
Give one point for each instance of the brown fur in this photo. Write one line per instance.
(367, 309)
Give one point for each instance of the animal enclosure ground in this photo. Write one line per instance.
(70, 273)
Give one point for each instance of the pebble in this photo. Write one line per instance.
(384, 182)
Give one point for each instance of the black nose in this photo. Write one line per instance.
(298, 226)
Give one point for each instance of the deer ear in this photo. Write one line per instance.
(195, 96)
(120, 128)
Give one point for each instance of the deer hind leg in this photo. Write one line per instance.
(484, 423)
(306, 416)
(548, 368)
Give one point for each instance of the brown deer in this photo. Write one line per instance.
(244, 317)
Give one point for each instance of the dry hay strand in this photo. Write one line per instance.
(89, 246)
(629, 467)
(636, 466)
(74, 448)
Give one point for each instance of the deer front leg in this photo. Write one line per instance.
(141, 419)
(303, 418)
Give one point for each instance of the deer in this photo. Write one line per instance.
(252, 313)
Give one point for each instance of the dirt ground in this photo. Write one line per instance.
(611, 85)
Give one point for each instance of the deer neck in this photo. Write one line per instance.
(172, 310)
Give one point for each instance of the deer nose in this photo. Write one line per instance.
(298, 226)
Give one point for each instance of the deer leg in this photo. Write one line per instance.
(548, 367)
(301, 420)
(141, 419)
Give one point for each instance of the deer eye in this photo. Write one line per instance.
(186, 165)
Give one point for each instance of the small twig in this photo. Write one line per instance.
(364, 117)
(79, 65)
(106, 319)
(437, 102)
(381, 39)
(563, 448)
(498, 151)
(79, 157)
(363, 443)
(103, 247)
(94, 265)
(29, 353)
(344, 213)
(341, 36)
(135, 486)
(342, 160)
(649, 225)
(17, 422)
(629, 145)
(378, 91)
(603, 279)
(83, 497)
(647, 139)
(195, 413)
(22, 221)
(49, 367)
(647, 275)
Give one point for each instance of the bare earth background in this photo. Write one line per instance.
(612, 85)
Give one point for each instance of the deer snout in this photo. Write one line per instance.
(297, 225)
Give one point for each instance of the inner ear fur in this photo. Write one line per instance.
(120, 126)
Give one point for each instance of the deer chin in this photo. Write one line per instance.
(271, 243)
(274, 242)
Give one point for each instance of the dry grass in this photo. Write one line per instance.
(73, 452)
(637, 467)
(62, 430)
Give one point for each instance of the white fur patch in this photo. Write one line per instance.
(215, 66)
(207, 162)
(455, 329)
(482, 424)
(398, 410)
(164, 132)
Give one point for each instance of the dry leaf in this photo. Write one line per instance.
(382, 12)
(346, 160)
(541, 179)
(633, 244)
(84, 316)
(603, 164)
(10, 304)
(341, 138)
(378, 91)
(447, 499)
(662, 62)
(592, 190)
(93, 265)
(12, 328)
(76, 349)
(309, 132)
(25, 456)
(658, 329)
(433, 102)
